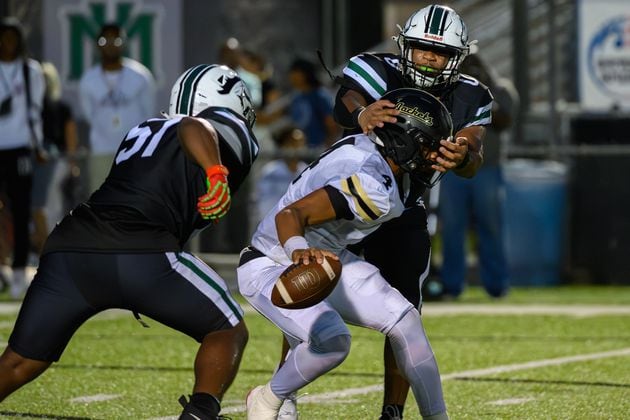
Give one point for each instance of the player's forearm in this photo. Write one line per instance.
(474, 157)
(345, 106)
(289, 223)
(314, 209)
(353, 100)
(471, 164)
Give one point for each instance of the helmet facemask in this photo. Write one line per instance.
(425, 77)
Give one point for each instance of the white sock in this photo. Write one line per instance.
(269, 398)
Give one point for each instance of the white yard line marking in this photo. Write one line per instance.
(537, 363)
(330, 397)
(437, 309)
(512, 401)
(9, 308)
(95, 398)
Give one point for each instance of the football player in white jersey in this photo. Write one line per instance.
(359, 183)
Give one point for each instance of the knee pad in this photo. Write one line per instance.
(337, 347)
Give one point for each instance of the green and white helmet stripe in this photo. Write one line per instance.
(436, 20)
(187, 88)
(363, 74)
(210, 85)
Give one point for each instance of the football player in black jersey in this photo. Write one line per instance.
(123, 247)
(432, 44)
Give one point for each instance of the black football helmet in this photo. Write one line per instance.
(423, 121)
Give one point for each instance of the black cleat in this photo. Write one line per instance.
(191, 412)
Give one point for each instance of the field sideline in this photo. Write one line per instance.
(540, 353)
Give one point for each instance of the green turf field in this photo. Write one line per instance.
(561, 353)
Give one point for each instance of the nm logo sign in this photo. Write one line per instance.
(84, 24)
(152, 26)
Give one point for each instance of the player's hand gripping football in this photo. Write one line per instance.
(304, 256)
(216, 202)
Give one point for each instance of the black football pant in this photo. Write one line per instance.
(401, 249)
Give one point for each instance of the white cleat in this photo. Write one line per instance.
(289, 410)
(262, 403)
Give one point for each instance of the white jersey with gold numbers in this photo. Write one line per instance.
(363, 191)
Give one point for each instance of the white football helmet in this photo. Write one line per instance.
(207, 85)
(437, 28)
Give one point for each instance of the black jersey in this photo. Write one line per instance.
(373, 74)
(149, 200)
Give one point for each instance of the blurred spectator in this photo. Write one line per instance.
(479, 198)
(256, 64)
(60, 138)
(21, 96)
(270, 112)
(232, 55)
(312, 105)
(114, 95)
(276, 175)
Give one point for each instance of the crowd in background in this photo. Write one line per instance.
(294, 124)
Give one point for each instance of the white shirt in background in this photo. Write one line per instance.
(112, 102)
(15, 132)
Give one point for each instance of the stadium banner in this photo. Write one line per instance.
(153, 30)
(604, 54)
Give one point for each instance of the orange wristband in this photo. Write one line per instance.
(216, 170)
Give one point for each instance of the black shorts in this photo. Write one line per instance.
(401, 249)
(175, 289)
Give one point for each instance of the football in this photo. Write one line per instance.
(301, 286)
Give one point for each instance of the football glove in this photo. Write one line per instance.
(216, 202)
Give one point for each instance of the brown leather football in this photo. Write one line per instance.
(301, 286)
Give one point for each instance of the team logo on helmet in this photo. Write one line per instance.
(227, 82)
(425, 117)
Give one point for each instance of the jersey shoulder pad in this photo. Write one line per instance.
(475, 97)
(368, 198)
(371, 73)
(234, 131)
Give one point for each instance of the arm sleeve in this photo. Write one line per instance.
(365, 74)
(339, 203)
(366, 198)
